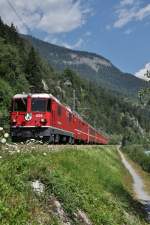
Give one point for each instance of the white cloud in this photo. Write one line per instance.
(51, 39)
(50, 16)
(128, 31)
(141, 72)
(76, 45)
(57, 41)
(129, 11)
(88, 33)
(144, 12)
(126, 2)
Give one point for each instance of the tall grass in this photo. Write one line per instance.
(90, 180)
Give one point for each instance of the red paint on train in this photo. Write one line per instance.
(43, 116)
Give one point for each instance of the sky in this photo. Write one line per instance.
(116, 29)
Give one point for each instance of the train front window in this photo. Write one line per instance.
(20, 105)
(40, 105)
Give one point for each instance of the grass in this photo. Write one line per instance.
(88, 178)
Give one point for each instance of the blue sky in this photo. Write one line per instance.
(117, 29)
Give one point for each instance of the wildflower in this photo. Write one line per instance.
(3, 141)
(6, 135)
(1, 128)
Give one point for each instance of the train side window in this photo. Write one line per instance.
(20, 104)
(59, 110)
(49, 105)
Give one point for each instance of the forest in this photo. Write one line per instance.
(23, 70)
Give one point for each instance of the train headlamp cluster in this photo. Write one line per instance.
(14, 120)
(43, 120)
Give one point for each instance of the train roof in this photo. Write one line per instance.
(20, 96)
(42, 95)
(36, 95)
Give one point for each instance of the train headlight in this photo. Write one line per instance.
(43, 120)
(14, 120)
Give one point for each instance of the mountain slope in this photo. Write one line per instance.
(89, 65)
(22, 70)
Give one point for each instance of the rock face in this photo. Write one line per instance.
(59, 211)
(82, 217)
(94, 63)
(89, 65)
(38, 187)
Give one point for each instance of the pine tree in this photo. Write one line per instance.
(33, 71)
(144, 93)
(2, 28)
(14, 33)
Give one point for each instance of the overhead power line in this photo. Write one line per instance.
(18, 15)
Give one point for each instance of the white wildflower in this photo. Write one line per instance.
(1, 128)
(6, 135)
(3, 141)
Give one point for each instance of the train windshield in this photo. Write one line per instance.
(20, 105)
(40, 105)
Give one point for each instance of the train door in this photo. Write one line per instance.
(54, 119)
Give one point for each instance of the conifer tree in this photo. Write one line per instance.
(2, 28)
(144, 93)
(33, 71)
(14, 35)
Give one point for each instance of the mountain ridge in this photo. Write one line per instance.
(23, 70)
(90, 66)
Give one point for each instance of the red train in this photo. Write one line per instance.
(42, 116)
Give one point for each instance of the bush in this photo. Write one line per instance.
(137, 154)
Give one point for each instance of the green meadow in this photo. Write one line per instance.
(91, 179)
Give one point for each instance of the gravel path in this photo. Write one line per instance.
(138, 185)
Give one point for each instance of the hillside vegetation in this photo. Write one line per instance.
(139, 154)
(22, 70)
(91, 66)
(86, 179)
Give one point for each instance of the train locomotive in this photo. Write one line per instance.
(42, 116)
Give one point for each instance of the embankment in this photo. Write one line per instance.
(77, 185)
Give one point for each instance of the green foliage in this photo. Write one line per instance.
(33, 71)
(115, 139)
(90, 180)
(144, 93)
(138, 154)
(5, 93)
(22, 70)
